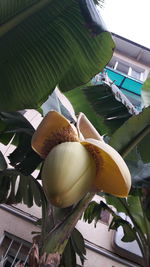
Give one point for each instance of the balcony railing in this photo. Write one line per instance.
(122, 80)
(129, 86)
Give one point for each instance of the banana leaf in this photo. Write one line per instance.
(23, 158)
(13, 185)
(75, 246)
(49, 42)
(3, 163)
(146, 92)
(134, 132)
(110, 103)
(130, 206)
(81, 104)
(105, 106)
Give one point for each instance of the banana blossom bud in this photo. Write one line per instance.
(77, 161)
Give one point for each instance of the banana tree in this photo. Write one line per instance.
(24, 159)
(57, 227)
(45, 43)
(58, 232)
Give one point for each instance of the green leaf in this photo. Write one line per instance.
(23, 158)
(4, 187)
(88, 214)
(144, 147)
(68, 256)
(105, 105)
(27, 194)
(93, 212)
(146, 92)
(3, 164)
(146, 203)
(133, 132)
(13, 122)
(117, 221)
(115, 202)
(17, 188)
(132, 207)
(78, 244)
(81, 104)
(49, 42)
(128, 229)
(27, 162)
(38, 193)
(110, 103)
(135, 207)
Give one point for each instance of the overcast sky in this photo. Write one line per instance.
(128, 18)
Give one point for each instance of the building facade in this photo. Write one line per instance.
(128, 68)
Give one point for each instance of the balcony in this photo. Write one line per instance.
(124, 82)
(129, 86)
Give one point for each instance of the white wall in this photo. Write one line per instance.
(134, 62)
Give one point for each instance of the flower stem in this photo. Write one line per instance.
(57, 238)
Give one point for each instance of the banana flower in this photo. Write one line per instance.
(77, 161)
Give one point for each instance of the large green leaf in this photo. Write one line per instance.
(12, 123)
(146, 92)
(49, 42)
(135, 131)
(23, 158)
(135, 207)
(110, 103)
(105, 106)
(81, 104)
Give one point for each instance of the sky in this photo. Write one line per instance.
(128, 18)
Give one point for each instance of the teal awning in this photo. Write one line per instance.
(124, 82)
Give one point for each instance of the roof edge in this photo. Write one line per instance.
(131, 42)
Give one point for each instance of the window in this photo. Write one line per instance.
(122, 67)
(127, 68)
(136, 74)
(14, 250)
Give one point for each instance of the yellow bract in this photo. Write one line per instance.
(54, 129)
(112, 175)
(77, 161)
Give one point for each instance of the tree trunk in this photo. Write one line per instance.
(50, 260)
